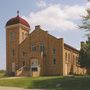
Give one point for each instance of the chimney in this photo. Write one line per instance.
(37, 27)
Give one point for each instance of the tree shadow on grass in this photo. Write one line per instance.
(62, 84)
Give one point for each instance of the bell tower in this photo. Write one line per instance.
(17, 30)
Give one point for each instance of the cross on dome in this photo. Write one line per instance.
(17, 12)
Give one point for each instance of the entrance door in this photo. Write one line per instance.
(13, 67)
(34, 68)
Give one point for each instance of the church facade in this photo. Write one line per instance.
(37, 53)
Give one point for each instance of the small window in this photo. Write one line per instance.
(33, 47)
(54, 60)
(34, 69)
(42, 47)
(54, 51)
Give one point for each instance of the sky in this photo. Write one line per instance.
(60, 18)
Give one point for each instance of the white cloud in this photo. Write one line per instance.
(88, 5)
(55, 17)
(74, 12)
(41, 3)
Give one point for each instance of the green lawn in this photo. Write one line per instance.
(2, 74)
(51, 83)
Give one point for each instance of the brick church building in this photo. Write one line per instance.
(37, 53)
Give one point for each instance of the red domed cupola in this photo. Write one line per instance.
(17, 20)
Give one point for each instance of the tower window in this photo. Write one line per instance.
(26, 34)
(12, 36)
(22, 35)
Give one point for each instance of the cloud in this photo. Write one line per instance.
(75, 12)
(56, 17)
(41, 3)
(88, 5)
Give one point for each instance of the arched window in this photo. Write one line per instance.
(33, 47)
(12, 36)
(54, 51)
(54, 60)
(66, 56)
(42, 47)
(73, 59)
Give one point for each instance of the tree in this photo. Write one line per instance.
(86, 22)
(84, 54)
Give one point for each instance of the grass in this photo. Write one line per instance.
(2, 74)
(49, 83)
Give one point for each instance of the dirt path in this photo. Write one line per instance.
(11, 78)
(14, 88)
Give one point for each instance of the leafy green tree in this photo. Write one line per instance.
(86, 21)
(84, 55)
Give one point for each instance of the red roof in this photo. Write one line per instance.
(17, 20)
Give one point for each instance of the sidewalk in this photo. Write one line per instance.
(14, 88)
